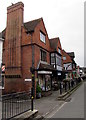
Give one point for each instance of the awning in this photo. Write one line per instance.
(45, 67)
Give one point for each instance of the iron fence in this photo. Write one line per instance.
(68, 85)
(15, 104)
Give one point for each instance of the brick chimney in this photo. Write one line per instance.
(13, 39)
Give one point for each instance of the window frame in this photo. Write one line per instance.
(42, 56)
(42, 37)
(59, 50)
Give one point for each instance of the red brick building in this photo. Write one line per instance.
(26, 45)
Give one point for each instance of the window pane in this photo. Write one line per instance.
(52, 54)
(64, 58)
(52, 60)
(43, 55)
(42, 37)
(59, 50)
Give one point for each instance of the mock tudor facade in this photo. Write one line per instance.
(69, 64)
(56, 58)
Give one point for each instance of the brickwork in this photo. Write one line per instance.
(68, 58)
(17, 53)
(13, 39)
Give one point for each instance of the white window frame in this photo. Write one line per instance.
(42, 37)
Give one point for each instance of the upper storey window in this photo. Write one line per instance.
(64, 58)
(59, 50)
(42, 37)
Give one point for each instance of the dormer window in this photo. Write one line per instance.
(42, 37)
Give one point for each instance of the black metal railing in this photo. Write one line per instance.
(67, 85)
(15, 104)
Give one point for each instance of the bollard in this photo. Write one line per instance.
(32, 99)
(65, 86)
(69, 85)
(60, 89)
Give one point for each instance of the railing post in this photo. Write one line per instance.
(65, 86)
(60, 89)
(69, 85)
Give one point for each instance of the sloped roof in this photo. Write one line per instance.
(46, 67)
(54, 42)
(3, 33)
(1, 38)
(71, 54)
(68, 58)
(30, 26)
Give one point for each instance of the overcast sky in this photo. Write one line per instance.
(62, 18)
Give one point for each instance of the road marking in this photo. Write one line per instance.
(50, 111)
(57, 110)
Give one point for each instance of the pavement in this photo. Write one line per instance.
(72, 109)
(42, 107)
(47, 104)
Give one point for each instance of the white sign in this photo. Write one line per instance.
(59, 68)
(28, 80)
(44, 72)
(59, 73)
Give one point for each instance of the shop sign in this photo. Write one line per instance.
(59, 73)
(28, 80)
(44, 72)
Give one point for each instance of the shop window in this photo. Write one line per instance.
(48, 82)
(45, 82)
(43, 55)
(2, 82)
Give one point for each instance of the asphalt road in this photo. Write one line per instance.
(73, 108)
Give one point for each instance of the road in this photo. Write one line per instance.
(73, 108)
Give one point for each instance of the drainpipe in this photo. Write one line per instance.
(33, 74)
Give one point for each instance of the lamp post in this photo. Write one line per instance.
(68, 81)
(32, 70)
(32, 89)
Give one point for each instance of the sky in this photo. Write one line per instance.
(62, 18)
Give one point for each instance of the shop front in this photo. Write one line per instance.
(44, 74)
(44, 78)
